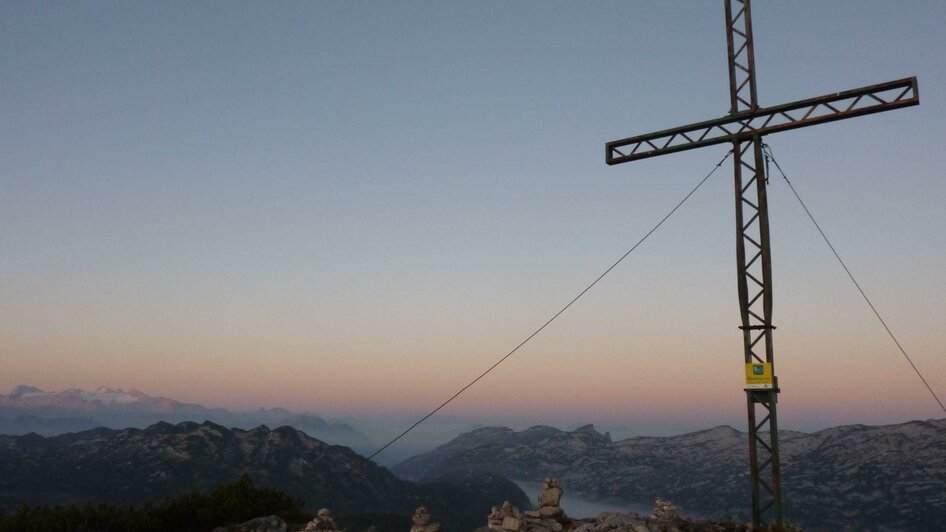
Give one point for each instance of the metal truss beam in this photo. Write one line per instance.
(748, 124)
(753, 254)
(754, 282)
(742, 88)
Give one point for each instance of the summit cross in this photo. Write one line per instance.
(744, 127)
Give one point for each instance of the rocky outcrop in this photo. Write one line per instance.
(664, 518)
(421, 521)
(508, 518)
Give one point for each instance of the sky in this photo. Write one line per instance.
(354, 208)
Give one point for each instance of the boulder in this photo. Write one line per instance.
(322, 522)
(421, 521)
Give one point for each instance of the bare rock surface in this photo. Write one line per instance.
(269, 523)
(664, 518)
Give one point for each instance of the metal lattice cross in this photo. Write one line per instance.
(744, 127)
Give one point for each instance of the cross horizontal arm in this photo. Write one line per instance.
(762, 121)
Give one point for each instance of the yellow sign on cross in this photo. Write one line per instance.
(759, 375)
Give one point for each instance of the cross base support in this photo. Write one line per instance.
(764, 455)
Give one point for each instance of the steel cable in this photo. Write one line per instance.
(769, 155)
(554, 316)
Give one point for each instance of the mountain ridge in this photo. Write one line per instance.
(133, 466)
(889, 476)
(30, 409)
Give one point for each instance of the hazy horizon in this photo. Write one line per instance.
(385, 425)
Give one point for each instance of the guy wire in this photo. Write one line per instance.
(554, 316)
(769, 155)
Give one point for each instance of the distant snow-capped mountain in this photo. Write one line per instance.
(24, 396)
(31, 409)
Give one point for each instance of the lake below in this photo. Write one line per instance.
(578, 507)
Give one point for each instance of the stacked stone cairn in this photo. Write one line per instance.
(550, 517)
(664, 510)
(550, 502)
(421, 521)
(507, 517)
(323, 521)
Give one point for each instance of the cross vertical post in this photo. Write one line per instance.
(754, 267)
(744, 127)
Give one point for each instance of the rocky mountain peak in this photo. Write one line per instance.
(24, 389)
(163, 427)
(589, 431)
(721, 432)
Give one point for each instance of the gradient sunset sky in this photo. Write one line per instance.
(357, 207)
